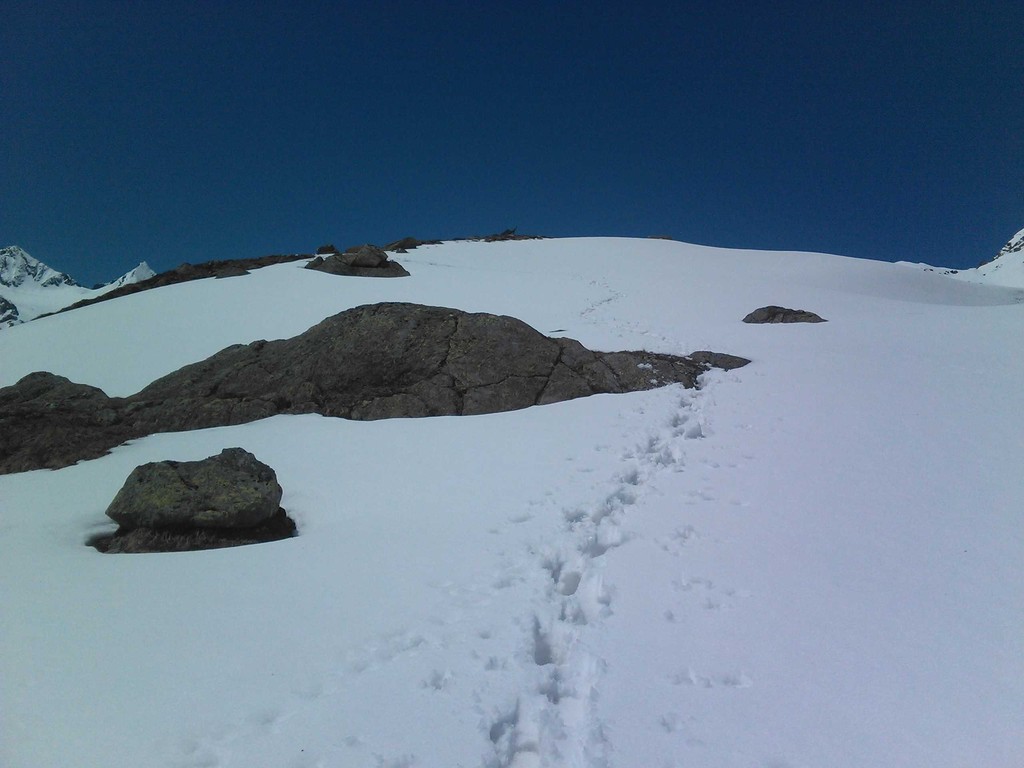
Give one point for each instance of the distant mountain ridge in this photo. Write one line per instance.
(30, 288)
(17, 268)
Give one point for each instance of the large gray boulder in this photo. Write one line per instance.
(371, 362)
(775, 314)
(364, 256)
(358, 261)
(231, 490)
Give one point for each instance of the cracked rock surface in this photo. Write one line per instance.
(376, 361)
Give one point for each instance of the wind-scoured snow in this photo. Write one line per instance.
(813, 560)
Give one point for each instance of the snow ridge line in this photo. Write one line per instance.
(552, 722)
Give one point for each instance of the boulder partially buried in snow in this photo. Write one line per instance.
(221, 501)
(231, 490)
(774, 314)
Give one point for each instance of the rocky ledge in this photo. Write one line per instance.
(372, 362)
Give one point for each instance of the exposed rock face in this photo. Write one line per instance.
(371, 362)
(231, 490)
(8, 313)
(359, 261)
(325, 250)
(224, 500)
(47, 421)
(774, 314)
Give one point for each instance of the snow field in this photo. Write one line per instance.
(814, 560)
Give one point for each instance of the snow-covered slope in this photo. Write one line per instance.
(1007, 267)
(814, 560)
(35, 289)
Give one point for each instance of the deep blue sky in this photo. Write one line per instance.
(179, 132)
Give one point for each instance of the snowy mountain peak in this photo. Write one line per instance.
(137, 275)
(17, 268)
(29, 288)
(1015, 245)
(1006, 267)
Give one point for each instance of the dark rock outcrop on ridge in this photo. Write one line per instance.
(407, 244)
(774, 314)
(508, 234)
(221, 501)
(359, 261)
(187, 272)
(376, 361)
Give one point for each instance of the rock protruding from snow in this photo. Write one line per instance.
(231, 490)
(774, 314)
(359, 261)
(221, 501)
(372, 362)
(8, 313)
(18, 269)
(49, 421)
(407, 244)
(185, 273)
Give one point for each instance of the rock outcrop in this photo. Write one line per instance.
(231, 490)
(359, 261)
(371, 362)
(407, 244)
(774, 314)
(8, 313)
(224, 500)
